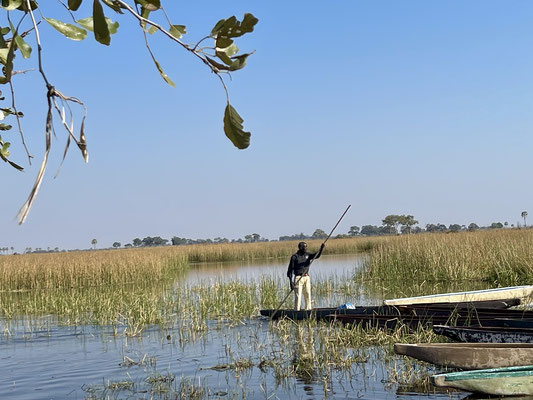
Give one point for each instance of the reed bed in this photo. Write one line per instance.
(116, 267)
(136, 287)
(269, 250)
(498, 257)
(88, 268)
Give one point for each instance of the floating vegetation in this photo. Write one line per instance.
(189, 389)
(144, 361)
(119, 385)
(156, 385)
(239, 365)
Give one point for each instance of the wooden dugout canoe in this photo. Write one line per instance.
(415, 321)
(485, 334)
(486, 307)
(520, 292)
(510, 381)
(469, 355)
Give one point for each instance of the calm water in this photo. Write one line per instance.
(87, 362)
(334, 265)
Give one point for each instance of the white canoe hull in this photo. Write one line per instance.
(519, 292)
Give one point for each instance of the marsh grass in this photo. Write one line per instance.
(155, 385)
(495, 257)
(88, 269)
(132, 289)
(115, 267)
(410, 375)
(268, 250)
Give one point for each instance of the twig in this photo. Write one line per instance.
(166, 33)
(18, 121)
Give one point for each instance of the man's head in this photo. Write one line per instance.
(302, 246)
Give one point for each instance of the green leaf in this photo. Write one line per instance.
(224, 57)
(87, 23)
(3, 43)
(7, 60)
(163, 75)
(4, 54)
(230, 50)
(248, 23)
(234, 129)
(222, 42)
(74, 4)
(5, 127)
(11, 4)
(4, 154)
(239, 62)
(216, 64)
(101, 31)
(226, 53)
(70, 31)
(218, 26)
(153, 5)
(232, 28)
(24, 47)
(114, 6)
(4, 150)
(15, 165)
(178, 30)
(145, 13)
(150, 5)
(33, 4)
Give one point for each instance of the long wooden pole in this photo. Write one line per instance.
(295, 283)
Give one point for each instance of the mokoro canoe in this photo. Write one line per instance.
(414, 321)
(520, 292)
(513, 322)
(469, 355)
(482, 307)
(485, 334)
(496, 381)
(318, 313)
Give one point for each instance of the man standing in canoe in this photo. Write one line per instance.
(299, 267)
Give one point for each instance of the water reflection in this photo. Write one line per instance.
(304, 354)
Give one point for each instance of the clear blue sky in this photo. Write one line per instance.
(411, 107)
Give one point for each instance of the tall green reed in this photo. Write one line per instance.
(497, 257)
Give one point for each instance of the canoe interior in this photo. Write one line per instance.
(490, 373)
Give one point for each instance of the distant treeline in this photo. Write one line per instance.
(391, 225)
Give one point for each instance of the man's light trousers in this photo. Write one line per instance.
(302, 284)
